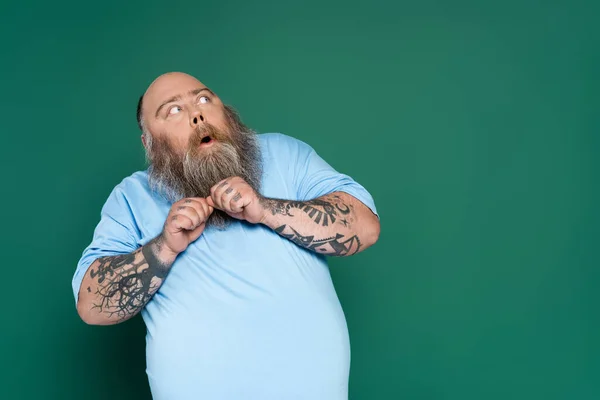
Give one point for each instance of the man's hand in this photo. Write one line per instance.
(238, 199)
(185, 223)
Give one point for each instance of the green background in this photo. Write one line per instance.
(474, 125)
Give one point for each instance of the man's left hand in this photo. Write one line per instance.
(238, 199)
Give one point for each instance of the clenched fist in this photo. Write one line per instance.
(238, 199)
(185, 223)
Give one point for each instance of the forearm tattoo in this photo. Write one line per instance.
(125, 283)
(323, 211)
(333, 246)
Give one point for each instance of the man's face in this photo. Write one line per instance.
(196, 141)
(176, 105)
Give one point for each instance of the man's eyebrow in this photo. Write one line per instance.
(196, 91)
(172, 99)
(192, 92)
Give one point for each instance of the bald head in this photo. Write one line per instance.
(170, 78)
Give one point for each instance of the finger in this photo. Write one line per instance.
(211, 205)
(216, 192)
(189, 201)
(180, 223)
(236, 203)
(194, 202)
(208, 209)
(196, 214)
(218, 186)
(202, 208)
(221, 183)
(218, 189)
(210, 201)
(226, 197)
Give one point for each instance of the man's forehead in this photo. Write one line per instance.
(168, 85)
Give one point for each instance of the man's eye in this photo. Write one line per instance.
(203, 99)
(174, 110)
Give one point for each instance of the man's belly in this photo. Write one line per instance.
(284, 347)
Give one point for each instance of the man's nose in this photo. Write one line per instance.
(196, 119)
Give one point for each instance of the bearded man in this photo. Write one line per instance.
(221, 244)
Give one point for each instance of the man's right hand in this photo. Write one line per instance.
(185, 223)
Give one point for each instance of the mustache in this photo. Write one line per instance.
(200, 132)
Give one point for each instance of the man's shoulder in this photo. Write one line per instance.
(279, 142)
(136, 181)
(273, 137)
(132, 186)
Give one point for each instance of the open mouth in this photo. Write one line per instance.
(206, 139)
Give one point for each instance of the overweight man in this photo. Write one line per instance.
(221, 245)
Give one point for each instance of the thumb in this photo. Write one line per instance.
(210, 201)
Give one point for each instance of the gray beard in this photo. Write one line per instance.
(194, 173)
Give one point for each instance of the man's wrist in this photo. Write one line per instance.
(162, 251)
(270, 208)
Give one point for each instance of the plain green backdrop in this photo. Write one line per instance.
(474, 125)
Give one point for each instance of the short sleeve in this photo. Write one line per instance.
(115, 234)
(314, 177)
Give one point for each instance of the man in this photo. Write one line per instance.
(221, 246)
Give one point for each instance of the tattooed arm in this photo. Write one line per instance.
(116, 288)
(336, 224)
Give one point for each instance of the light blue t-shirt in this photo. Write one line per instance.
(243, 313)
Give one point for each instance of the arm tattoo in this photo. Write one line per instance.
(127, 282)
(333, 246)
(322, 211)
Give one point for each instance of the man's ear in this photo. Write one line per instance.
(144, 141)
